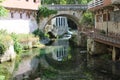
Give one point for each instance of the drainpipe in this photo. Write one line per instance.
(107, 27)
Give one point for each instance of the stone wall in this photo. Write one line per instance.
(18, 25)
(94, 47)
(9, 54)
(82, 39)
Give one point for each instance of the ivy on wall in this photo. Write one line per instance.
(44, 12)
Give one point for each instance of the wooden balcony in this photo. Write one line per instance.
(109, 39)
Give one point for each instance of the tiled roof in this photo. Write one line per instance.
(21, 4)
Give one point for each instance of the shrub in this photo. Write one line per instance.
(39, 33)
(103, 32)
(2, 77)
(2, 48)
(5, 41)
(44, 12)
(17, 47)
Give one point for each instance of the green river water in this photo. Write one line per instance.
(60, 61)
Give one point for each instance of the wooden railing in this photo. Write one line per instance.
(94, 4)
(67, 7)
(104, 38)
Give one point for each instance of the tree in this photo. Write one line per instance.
(3, 11)
(87, 19)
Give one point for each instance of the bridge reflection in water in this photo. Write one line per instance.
(60, 52)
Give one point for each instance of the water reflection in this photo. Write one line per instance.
(61, 49)
(62, 62)
(27, 65)
(60, 53)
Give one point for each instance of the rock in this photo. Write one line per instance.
(83, 51)
(9, 54)
(37, 79)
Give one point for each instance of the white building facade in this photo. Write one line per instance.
(21, 16)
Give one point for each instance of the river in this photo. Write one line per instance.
(61, 61)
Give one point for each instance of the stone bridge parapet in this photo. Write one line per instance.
(73, 12)
(67, 7)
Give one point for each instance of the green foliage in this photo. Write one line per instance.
(49, 73)
(5, 41)
(3, 32)
(2, 77)
(2, 48)
(102, 32)
(87, 19)
(17, 47)
(40, 33)
(65, 1)
(21, 37)
(44, 12)
(3, 11)
(4, 73)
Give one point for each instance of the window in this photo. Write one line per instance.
(28, 14)
(104, 17)
(98, 18)
(12, 15)
(34, 1)
(21, 15)
(109, 17)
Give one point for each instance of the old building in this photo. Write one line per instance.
(21, 16)
(107, 26)
(107, 15)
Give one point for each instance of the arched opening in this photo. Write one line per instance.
(72, 24)
(62, 24)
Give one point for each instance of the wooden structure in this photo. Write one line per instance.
(107, 24)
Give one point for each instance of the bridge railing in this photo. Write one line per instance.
(67, 7)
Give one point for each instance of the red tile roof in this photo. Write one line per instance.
(21, 4)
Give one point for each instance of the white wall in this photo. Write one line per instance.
(25, 25)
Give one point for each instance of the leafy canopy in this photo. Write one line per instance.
(44, 12)
(3, 11)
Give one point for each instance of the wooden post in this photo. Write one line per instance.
(114, 54)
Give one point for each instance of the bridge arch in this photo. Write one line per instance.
(72, 15)
(68, 16)
(71, 12)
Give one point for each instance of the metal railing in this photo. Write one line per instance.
(67, 7)
(95, 3)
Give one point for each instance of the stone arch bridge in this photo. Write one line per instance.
(72, 12)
